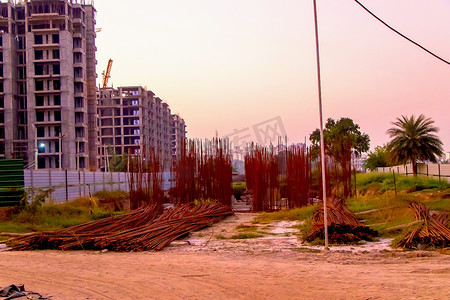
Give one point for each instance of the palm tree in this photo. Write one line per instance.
(413, 140)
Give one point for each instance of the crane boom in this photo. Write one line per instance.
(106, 75)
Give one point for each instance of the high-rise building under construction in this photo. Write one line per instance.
(48, 76)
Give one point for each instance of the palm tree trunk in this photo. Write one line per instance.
(414, 168)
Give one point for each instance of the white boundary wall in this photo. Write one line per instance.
(438, 171)
(68, 185)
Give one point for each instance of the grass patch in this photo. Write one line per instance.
(246, 228)
(50, 217)
(295, 214)
(220, 237)
(266, 233)
(245, 235)
(374, 182)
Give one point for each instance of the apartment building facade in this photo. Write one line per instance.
(131, 120)
(178, 136)
(48, 83)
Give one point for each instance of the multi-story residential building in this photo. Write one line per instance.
(133, 121)
(48, 83)
(178, 135)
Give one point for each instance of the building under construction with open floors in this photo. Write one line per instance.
(133, 121)
(48, 83)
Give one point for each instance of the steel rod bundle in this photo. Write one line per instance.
(298, 176)
(432, 231)
(145, 178)
(139, 230)
(262, 178)
(204, 171)
(343, 227)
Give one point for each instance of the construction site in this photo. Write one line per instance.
(102, 195)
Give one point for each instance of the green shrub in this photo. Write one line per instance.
(238, 189)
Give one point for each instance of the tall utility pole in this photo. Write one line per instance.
(322, 145)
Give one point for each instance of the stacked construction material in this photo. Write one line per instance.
(145, 178)
(433, 231)
(139, 230)
(343, 227)
(203, 171)
(298, 176)
(262, 179)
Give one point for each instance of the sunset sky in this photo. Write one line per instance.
(225, 65)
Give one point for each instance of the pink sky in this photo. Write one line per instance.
(227, 65)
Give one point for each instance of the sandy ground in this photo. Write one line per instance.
(276, 266)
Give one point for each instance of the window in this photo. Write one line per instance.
(57, 115)
(39, 85)
(2, 102)
(38, 70)
(22, 73)
(57, 130)
(55, 38)
(22, 59)
(79, 117)
(136, 122)
(79, 103)
(40, 116)
(38, 54)
(56, 85)
(38, 39)
(56, 69)
(57, 100)
(39, 100)
(40, 131)
(56, 54)
(22, 102)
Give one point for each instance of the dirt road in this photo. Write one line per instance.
(271, 267)
(205, 275)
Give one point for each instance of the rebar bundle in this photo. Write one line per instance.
(298, 176)
(145, 178)
(204, 171)
(432, 231)
(140, 230)
(343, 227)
(262, 178)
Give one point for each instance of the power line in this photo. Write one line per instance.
(402, 35)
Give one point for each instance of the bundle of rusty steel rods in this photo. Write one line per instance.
(432, 231)
(140, 230)
(203, 171)
(343, 227)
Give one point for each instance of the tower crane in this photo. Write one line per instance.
(106, 74)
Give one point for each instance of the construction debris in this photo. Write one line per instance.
(18, 292)
(431, 231)
(343, 227)
(143, 229)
